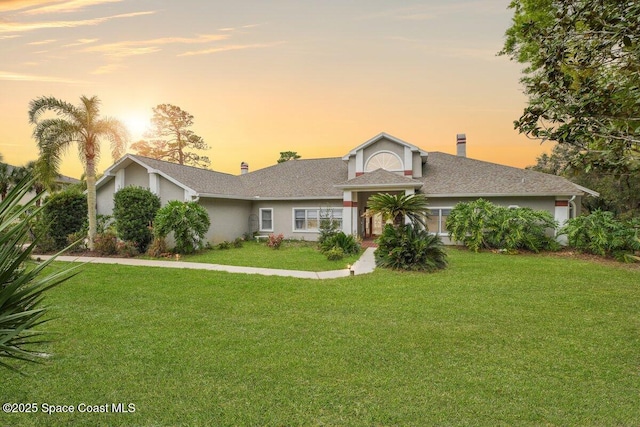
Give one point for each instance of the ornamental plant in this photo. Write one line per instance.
(188, 221)
(134, 209)
(411, 248)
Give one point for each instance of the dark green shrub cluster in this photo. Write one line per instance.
(346, 243)
(188, 221)
(482, 224)
(601, 233)
(106, 243)
(410, 247)
(334, 254)
(64, 213)
(238, 242)
(134, 210)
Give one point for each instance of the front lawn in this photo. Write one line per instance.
(292, 255)
(492, 340)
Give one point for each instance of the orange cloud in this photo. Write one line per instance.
(17, 77)
(67, 6)
(229, 48)
(143, 47)
(12, 27)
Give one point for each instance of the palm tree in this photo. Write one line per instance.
(397, 207)
(80, 124)
(5, 180)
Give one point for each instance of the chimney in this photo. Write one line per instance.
(244, 168)
(461, 145)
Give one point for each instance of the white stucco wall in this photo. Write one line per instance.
(229, 218)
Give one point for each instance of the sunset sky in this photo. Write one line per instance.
(260, 77)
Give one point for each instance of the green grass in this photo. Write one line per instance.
(493, 340)
(292, 255)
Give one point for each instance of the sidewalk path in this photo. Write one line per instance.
(364, 265)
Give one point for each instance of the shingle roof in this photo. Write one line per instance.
(443, 175)
(380, 177)
(446, 174)
(203, 181)
(297, 178)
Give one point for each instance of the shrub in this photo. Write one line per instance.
(481, 224)
(157, 248)
(347, 243)
(334, 254)
(274, 242)
(188, 221)
(127, 249)
(64, 213)
(224, 245)
(238, 242)
(329, 227)
(106, 243)
(77, 241)
(410, 248)
(600, 233)
(134, 210)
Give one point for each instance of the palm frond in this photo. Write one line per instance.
(117, 134)
(21, 289)
(39, 106)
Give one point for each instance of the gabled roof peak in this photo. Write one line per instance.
(378, 137)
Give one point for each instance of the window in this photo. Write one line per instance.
(309, 219)
(383, 160)
(266, 219)
(437, 220)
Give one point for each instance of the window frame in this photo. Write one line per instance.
(439, 210)
(319, 218)
(366, 165)
(261, 210)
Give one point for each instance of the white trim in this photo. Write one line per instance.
(388, 170)
(586, 190)
(312, 208)
(384, 135)
(439, 209)
(260, 220)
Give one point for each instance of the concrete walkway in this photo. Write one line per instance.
(364, 265)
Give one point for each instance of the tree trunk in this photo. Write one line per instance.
(91, 200)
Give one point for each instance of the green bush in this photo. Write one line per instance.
(410, 248)
(238, 242)
(329, 227)
(188, 221)
(64, 213)
(334, 254)
(127, 249)
(482, 225)
(600, 233)
(347, 243)
(224, 245)
(134, 209)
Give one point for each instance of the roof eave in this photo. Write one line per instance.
(381, 186)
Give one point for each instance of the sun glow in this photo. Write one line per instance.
(137, 126)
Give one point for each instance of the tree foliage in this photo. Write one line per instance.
(79, 124)
(582, 76)
(619, 192)
(64, 213)
(410, 247)
(188, 221)
(134, 209)
(482, 225)
(171, 139)
(21, 289)
(396, 207)
(285, 156)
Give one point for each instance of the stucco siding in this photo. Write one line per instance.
(104, 198)
(136, 175)
(383, 145)
(229, 218)
(169, 191)
(283, 216)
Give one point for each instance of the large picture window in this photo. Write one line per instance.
(266, 219)
(308, 219)
(436, 223)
